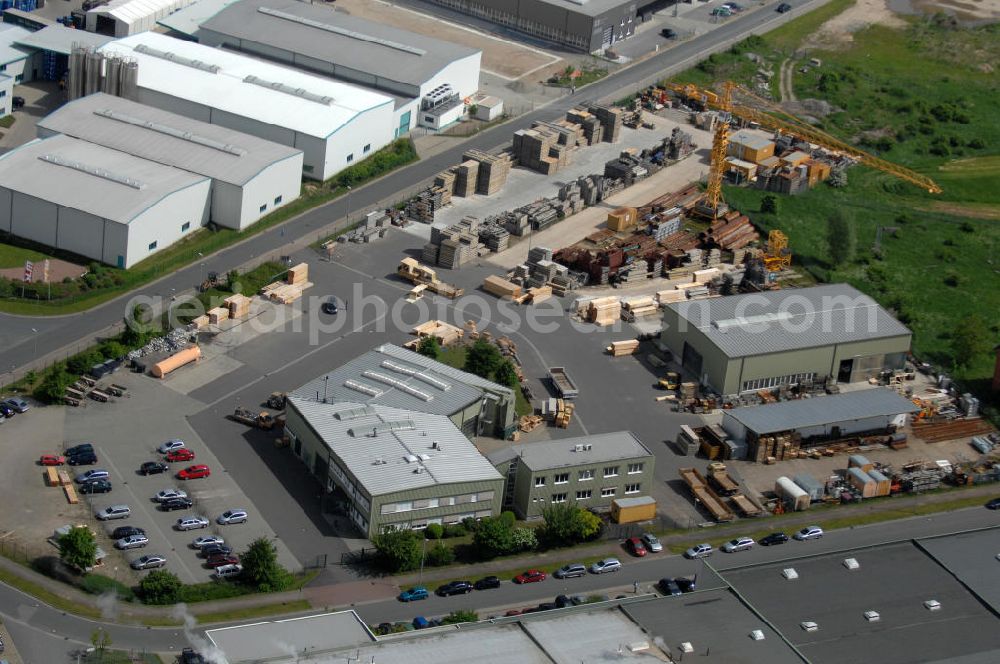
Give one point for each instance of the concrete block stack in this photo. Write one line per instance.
(493, 170)
(679, 145)
(539, 149)
(593, 131)
(666, 224)
(466, 177)
(494, 235)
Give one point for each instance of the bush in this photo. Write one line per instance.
(160, 587)
(524, 540)
(261, 569)
(204, 592)
(434, 531)
(112, 350)
(396, 154)
(398, 549)
(455, 530)
(439, 555)
(96, 584)
(81, 364)
(456, 617)
(53, 386)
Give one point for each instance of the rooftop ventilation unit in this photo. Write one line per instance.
(932, 605)
(424, 457)
(790, 573)
(319, 25)
(757, 635)
(748, 321)
(379, 462)
(408, 371)
(354, 413)
(93, 170)
(872, 616)
(410, 458)
(852, 564)
(383, 427)
(177, 59)
(809, 625)
(301, 93)
(398, 384)
(171, 131)
(419, 469)
(361, 387)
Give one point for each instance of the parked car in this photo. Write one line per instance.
(329, 306)
(454, 588)
(91, 475)
(189, 656)
(772, 539)
(413, 594)
(668, 33)
(722, 11)
(808, 533)
(606, 565)
(207, 540)
(194, 472)
(653, 545)
(220, 559)
(635, 547)
(228, 571)
(570, 571)
(81, 459)
(6, 411)
(699, 551)
(17, 103)
(993, 504)
(171, 445)
(52, 460)
(17, 403)
(210, 550)
(784, 7)
(169, 494)
(114, 512)
(95, 486)
(685, 584)
(153, 468)
(125, 531)
(148, 562)
(180, 454)
(738, 544)
(733, 7)
(487, 583)
(132, 542)
(668, 586)
(531, 576)
(174, 504)
(80, 449)
(232, 516)
(191, 523)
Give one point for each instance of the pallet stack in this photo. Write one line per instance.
(593, 131)
(466, 177)
(446, 179)
(539, 149)
(604, 311)
(493, 170)
(563, 413)
(611, 119)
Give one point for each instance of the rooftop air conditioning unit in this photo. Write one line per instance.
(852, 564)
(757, 635)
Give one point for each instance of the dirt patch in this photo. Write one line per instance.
(973, 12)
(840, 29)
(58, 270)
(501, 57)
(990, 212)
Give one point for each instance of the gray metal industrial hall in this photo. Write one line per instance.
(745, 343)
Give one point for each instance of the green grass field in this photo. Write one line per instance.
(11, 256)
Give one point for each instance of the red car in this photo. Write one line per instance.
(636, 547)
(52, 460)
(531, 576)
(221, 559)
(182, 454)
(194, 472)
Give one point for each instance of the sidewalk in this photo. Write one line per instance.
(329, 596)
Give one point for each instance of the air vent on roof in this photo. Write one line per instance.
(171, 131)
(419, 469)
(361, 387)
(301, 93)
(93, 170)
(341, 31)
(398, 384)
(354, 413)
(379, 462)
(410, 458)
(407, 371)
(381, 427)
(178, 59)
(424, 457)
(748, 321)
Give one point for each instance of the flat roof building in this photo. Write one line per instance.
(266, 640)
(17, 62)
(589, 471)
(121, 18)
(97, 202)
(250, 176)
(396, 377)
(396, 468)
(745, 343)
(332, 123)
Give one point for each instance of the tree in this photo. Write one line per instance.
(439, 555)
(398, 549)
(769, 204)
(506, 375)
(590, 524)
(160, 587)
(567, 524)
(100, 639)
(727, 288)
(460, 617)
(482, 359)
(838, 177)
(524, 539)
(261, 568)
(429, 347)
(493, 537)
(840, 237)
(232, 281)
(434, 531)
(78, 548)
(969, 340)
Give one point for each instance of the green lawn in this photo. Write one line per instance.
(263, 610)
(11, 256)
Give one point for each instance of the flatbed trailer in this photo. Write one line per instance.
(704, 494)
(563, 383)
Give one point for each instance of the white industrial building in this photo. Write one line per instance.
(429, 78)
(121, 18)
(250, 177)
(97, 202)
(332, 123)
(17, 63)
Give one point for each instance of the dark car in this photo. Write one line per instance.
(773, 538)
(97, 486)
(80, 449)
(562, 601)
(18, 102)
(993, 504)
(454, 588)
(125, 531)
(189, 656)
(81, 459)
(547, 606)
(220, 559)
(487, 583)
(329, 305)
(669, 587)
(176, 504)
(215, 550)
(685, 584)
(668, 33)
(784, 7)
(153, 468)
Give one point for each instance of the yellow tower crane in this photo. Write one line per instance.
(778, 256)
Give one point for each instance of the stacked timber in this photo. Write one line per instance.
(200, 322)
(466, 177)
(298, 274)
(217, 315)
(238, 305)
(732, 231)
(622, 348)
(637, 307)
(539, 294)
(604, 311)
(446, 333)
(593, 131)
(492, 171)
(446, 179)
(501, 287)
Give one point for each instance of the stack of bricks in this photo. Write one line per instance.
(467, 175)
(593, 131)
(493, 170)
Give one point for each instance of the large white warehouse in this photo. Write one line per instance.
(98, 202)
(250, 176)
(422, 73)
(121, 18)
(332, 123)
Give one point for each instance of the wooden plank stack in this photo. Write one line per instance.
(636, 307)
(604, 310)
(493, 170)
(593, 131)
(71, 496)
(466, 176)
(539, 294)
(296, 281)
(200, 322)
(563, 413)
(501, 287)
(298, 274)
(217, 315)
(238, 305)
(622, 348)
(445, 333)
(529, 423)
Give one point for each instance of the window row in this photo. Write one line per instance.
(431, 503)
(775, 381)
(589, 474)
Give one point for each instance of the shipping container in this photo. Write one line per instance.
(633, 510)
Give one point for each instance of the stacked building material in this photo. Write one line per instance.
(238, 305)
(611, 119)
(732, 231)
(622, 348)
(501, 287)
(446, 179)
(539, 293)
(466, 177)
(376, 225)
(604, 311)
(494, 235)
(540, 150)
(638, 307)
(569, 134)
(298, 274)
(217, 315)
(679, 145)
(622, 219)
(422, 207)
(664, 225)
(445, 333)
(590, 125)
(493, 170)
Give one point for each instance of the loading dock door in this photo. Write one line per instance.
(691, 359)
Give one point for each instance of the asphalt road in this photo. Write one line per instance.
(21, 346)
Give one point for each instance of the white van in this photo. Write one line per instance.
(228, 571)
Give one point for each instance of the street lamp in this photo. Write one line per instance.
(348, 205)
(34, 333)
(423, 554)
